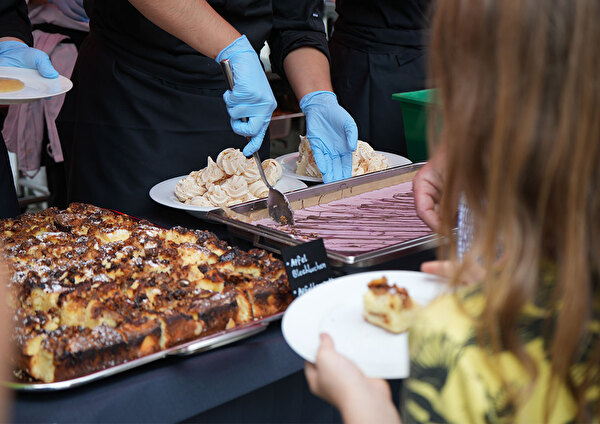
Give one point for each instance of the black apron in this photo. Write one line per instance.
(377, 49)
(140, 114)
(9, 206)
(13, 23)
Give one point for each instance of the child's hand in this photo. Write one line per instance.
(428, 185)
(471, 274)
(339, 381)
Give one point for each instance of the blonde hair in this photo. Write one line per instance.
(519, 88)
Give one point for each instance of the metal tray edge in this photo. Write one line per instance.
(336, 259)
(189, 348)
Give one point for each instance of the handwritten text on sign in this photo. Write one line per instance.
(306, 265)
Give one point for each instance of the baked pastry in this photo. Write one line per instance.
(92, 288)
(389, 306)
(8, 85)
(364, 160)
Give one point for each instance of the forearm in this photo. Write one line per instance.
(368, 406)
(307, 70)
(194, 22)
(14, 21)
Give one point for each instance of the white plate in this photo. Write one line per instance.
(336, 307)
(164, 193)
(36, 86)
(289, 164)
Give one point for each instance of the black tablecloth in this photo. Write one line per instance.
(170, 390)
(258, 379)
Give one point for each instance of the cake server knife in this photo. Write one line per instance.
(278, 205)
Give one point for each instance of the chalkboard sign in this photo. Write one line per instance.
(306, 265)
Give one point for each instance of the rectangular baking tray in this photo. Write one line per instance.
(189, 348)
(192, 347)
(238, 218)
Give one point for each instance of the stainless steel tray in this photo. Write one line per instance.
(195, 346)
(238, 218)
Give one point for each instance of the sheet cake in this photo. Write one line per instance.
(92, 288)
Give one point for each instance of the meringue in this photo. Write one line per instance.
(187, 188)
(199, 201)
(232, 161)
(217, 196)
(251, 173)
(273, 170)
(211, 173)
(232, 179)
(364, 159)
(304, 147)
(258, 189)
(377, 162)
(363, 151)
(235, 187)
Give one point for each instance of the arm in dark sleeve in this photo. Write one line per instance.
(14, 21)
(296, 24)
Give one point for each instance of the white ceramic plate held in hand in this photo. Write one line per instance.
(36, 86)
(336, 308)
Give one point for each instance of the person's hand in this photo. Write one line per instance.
(427, 186)
(340, 382)
(71, 8)
(20, 55)
(471, 272)
(251, 97)
(332, 134)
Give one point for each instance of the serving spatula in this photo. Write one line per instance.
(278, 205)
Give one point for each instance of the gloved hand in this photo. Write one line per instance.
(20, 55)
(71, 8)
(251, 96)
(332, 134)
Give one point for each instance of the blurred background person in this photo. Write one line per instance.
(59, 28)
(15, 50)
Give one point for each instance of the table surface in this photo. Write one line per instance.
(177, 388)
(169, 390)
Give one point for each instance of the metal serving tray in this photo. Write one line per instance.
(192, 347)
(238, 218)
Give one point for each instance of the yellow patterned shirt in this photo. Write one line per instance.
(453, 379)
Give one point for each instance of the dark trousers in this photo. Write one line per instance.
(9, 206)
(364, 79)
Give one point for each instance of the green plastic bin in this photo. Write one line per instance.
(414, 114)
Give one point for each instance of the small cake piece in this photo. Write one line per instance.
(8, 85)
(389, 307)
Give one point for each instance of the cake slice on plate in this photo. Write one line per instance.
(389, 306)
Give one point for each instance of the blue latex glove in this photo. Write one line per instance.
(20, 55)
(251, 96)
(332, 134)
(71, 8)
